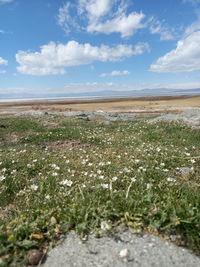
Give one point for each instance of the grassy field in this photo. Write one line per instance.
(59, 174)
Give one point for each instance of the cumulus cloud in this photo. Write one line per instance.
(105, 16)
(115, 73)
(124, 24)
(185, 58)
(3, 61)
(95, 8)
(156, 27)
(53, 58)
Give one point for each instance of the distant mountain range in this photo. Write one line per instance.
(108, 94)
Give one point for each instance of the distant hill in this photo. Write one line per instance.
(108, 94)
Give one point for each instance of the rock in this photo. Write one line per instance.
(191, 117)
(185, 171)
(34, 256)
(106, 123)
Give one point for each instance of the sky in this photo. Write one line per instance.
(52, 47)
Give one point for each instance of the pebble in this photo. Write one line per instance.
(123, 253)
(34, 256)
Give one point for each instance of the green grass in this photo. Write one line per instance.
(127, 174)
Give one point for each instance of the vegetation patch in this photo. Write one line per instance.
(93, 177)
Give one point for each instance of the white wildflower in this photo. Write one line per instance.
(133, 179)
(66, 182)
(126, 170)
(104, 186)
(105, 226)
(57, 168)
(34, 187)
(170, 179)
(187, 154)
(54, 174)
(2, 177)
(114, 178)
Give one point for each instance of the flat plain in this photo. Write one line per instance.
(146, 104)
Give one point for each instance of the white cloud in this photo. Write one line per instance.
(5, 1)
(95, 8)
(105, 16)
(156, 27)
(53, 58)
(185, 58)
(3, 61)
(124, 24)
(115, 73)
(64, 18)
(195, 26)
(2, 31)
(2, 71)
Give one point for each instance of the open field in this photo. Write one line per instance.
(154, 104)
(59, 174)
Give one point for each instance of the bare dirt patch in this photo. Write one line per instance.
(65, 145)
(50, 124)
(11, 138)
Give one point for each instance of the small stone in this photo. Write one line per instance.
(123, 253)
(185, 171)
(34, 256)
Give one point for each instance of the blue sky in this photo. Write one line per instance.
(62, 47)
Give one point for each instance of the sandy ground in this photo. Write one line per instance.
(140, 105)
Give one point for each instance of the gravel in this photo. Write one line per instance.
(107, 116)
(190, 117)
(123, 249)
